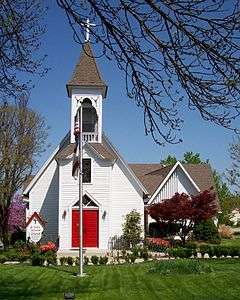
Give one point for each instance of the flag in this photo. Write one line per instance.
(77, 134)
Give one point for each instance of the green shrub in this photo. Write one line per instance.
(207, 249)
(127, 257)
(180, 252)
(63, 260)
(234, 251)
(19, 245)
(12, 255)
(188, 266)
(3, 259)
(206, 231)
(103, 260)
(51, 257)
(23, 257)
(69, 260)
(132, 257)
(37, 259)
(94, 259)
(191, 245)
(144, 253)
(220, 251)
(123, 252)
(132, 228)
(176, 243)
(225, 250)
(136, 250)
(86, 260)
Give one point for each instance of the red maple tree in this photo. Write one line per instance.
(185, 211)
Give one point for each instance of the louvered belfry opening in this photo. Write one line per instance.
(90, 121)
(89, 116)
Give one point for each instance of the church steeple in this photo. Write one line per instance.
(87, 88)
(86, 73)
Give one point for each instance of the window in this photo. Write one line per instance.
(86, 168)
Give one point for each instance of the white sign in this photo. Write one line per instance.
(35, 230)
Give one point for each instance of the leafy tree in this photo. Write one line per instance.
(184, 211)
(23, 136)
(132, 228)
(189, 157)
(233, 174)
(20, 33)
(173, 53)
(169, 160)
(192, 158)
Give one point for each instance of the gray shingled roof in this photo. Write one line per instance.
(86, 72)
(102, 149)
(152, 175)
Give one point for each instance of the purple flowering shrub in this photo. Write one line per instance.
(17, 214)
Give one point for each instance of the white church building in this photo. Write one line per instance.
(111, 186)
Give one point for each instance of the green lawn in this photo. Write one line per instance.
(120, 282)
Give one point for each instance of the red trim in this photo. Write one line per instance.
(38, 217)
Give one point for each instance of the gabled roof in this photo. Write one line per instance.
(104, 150)
(38, 217)
(153, 175)
(86, 72)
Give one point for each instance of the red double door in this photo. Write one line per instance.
(90, 228)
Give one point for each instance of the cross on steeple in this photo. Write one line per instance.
(87, 25)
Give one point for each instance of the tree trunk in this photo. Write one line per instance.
(4, 231)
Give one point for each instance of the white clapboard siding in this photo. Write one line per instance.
(178, 182)
(125, 196)
(98, 189)
(44, 200)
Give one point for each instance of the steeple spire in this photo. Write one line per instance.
(86, 73)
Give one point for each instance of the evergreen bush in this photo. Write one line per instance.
(103, 260)
(3, 259)
(94, 259)
(144, 253)
(69, 260)
(180, 252)
(37, 259)
(51, 257)
(63, 260)
(206, 231)
(85, 260)
(132, 228)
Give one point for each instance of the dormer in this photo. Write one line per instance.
(87, 88)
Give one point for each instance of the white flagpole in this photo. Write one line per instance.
(80, 192)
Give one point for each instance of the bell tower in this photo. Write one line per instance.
(87, 88)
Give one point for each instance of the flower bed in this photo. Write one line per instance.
(157, 244)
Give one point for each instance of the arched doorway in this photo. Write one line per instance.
(90, 223)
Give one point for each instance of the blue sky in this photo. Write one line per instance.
(122, 120)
